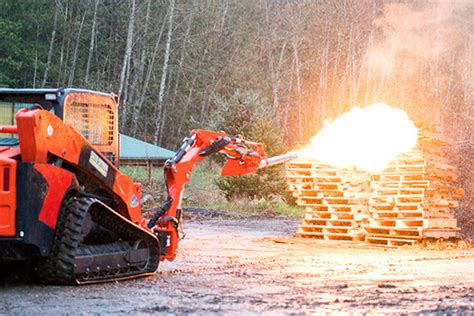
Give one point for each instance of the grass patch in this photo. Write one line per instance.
(202, 192)
(255, 207)
(140, 173)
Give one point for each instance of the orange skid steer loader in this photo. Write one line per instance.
(65, 205)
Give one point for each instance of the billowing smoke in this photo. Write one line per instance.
(422, 60)
(414, 35)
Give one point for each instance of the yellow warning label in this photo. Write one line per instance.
(99, 164)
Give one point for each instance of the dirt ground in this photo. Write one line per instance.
(230, 266)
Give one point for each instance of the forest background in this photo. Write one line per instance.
(282, 68)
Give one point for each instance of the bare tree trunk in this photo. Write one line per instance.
(298, 87)
(271, 60)
(138, 77)
(293, 18)
(163, 122)
(369, 48)
(224, 13)
(186, 106)
(64, 46)
(92, 42)
(469, 73)
(125, 64)
(141, 100)
(161, 94)
(447, 97)
(51, 45)
(124, 98)
(350, 65)
(335, 68)
(164, 116)
(76, 48)
(323, 81)
(36, 69)
(188, 102)
(36, 56)
(181, 59)
(286, 111)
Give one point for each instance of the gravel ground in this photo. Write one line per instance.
(230, 266)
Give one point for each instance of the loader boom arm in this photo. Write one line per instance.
(243, 157)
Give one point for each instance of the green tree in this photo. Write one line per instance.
(21, 52)
(249, 115)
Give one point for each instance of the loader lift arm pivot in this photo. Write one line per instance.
(243, 157)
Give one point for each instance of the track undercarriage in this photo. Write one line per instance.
(93, 243)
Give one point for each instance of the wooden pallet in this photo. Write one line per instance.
(328, 222)
(399, 184)
(396, 199)
(389, 242)
(398, 177)
(399, 223)
(397, 191)
(336, 216)
(381, 215)
(328, 200)
(333, 233)
(444, 233)
(394, 232)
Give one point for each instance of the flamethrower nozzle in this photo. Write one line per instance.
(278, 159)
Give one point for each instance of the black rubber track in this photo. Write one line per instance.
(59, 267)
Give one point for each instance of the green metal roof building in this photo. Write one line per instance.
(135, 151)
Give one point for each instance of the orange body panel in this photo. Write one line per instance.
(59, 180)
(130, 194)
(7, 190)
(41, 133)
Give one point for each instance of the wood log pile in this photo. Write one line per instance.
(412, 199)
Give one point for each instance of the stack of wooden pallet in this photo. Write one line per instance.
(443, 194)
(396, 201)
(335, 200)
(413, 198)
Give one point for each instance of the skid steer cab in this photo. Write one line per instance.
(63, 202)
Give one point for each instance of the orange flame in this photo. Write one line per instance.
(367, 138)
